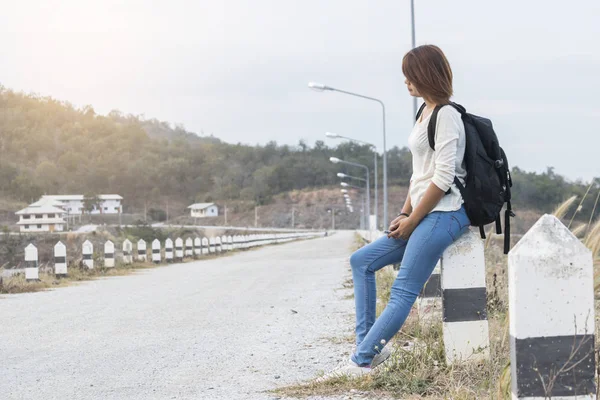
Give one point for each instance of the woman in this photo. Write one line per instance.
(432, 217)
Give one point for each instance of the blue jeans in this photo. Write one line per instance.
(419, 255)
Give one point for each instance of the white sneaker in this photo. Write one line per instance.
(381, 357)
(348, 369)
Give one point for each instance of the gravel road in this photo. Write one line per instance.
(214, 329)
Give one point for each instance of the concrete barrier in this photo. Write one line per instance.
(189, 247)
(179, 249)
(127, 252)
(109, 254)
(87, 253)
(169, 250)
(60, 260)
(156, 256)
(142, 255)
(551, 307)
(32, 270)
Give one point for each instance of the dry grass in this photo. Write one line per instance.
(562, 209)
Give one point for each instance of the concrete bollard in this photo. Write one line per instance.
(429, 302)
(212, 245)
(156, 258)
(32, 270)
(88, 252)
(205, 246)
(218, 245)
(127, 251)
(551, 308)
(169, 250)
(189, 247)
(179, 249)
(60, 260)
(197, 247)
(464, 300)
(141, 251)
(224, 246)
(109, 254)
(229, 243)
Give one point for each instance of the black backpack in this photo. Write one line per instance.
(488, 180)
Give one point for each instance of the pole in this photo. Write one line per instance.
(167, 221)
(368, 202)
(375, 187)
(385, 197)
(333, 219)
(412, 24)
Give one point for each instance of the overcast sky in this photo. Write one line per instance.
(238, 69)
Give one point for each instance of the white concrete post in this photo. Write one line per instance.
(109, 254)
(197, 246)
(60, 259)
(465, 324)
(169, 250)
(229, 243)
(32, 271)
(87, 252)
(224, 246)
(218, 245)
(127, 250)
(141, 247)
(156, 257)
(189, 247)
(179, 249)
(551, 308)
(205, 245)
(212, 245)
(429, 302)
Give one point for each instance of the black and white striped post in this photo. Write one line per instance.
(60, 260)
(156, 258)
(127, 252)
(229, 243)
(224, 246)
(109, 254)
(205, 246)
(32, 271)
(212, 245)
(141, 247)
(169, 250)
(429, 302)
(87, 253)
(218, 245)
(551, 308)
(197, 247)
(464, 300)
(179, 249)
(189, 247)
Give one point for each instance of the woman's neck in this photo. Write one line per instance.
(430, 104)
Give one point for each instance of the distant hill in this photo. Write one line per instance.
(49, 146)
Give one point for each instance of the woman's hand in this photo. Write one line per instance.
(402, 227)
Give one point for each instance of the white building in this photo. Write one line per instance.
(201, 210)
(74, 204)
(41, 217)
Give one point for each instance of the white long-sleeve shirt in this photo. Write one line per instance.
(439, 166)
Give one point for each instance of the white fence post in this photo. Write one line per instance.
(465, 323)
(229, 243)
(218, 244)
(109, 254)
(32, 271)
(87, 252)
(141, 246)
(429, 302)
(60, 259)
(224, 246)
(197, 246)
(189, 247)
(205, 245)
(212, 245)
(179, 249)
(127, 250)
(551, 308)
(169, 250)
(156, 258)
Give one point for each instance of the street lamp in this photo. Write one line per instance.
(341, 175)
(336, 160)
(319, 87)
(337, 136)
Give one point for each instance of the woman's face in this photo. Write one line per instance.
(412, 90)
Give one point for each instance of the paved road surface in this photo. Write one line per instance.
(214, 329)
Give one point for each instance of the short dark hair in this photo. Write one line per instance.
(427, 68)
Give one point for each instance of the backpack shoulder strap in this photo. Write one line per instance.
(420, 111)
(432, 124)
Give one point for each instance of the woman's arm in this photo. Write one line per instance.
(446, 144)
(406, 209)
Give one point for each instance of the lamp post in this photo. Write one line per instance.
(320, 88)
(375, 176)
(336, 160)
